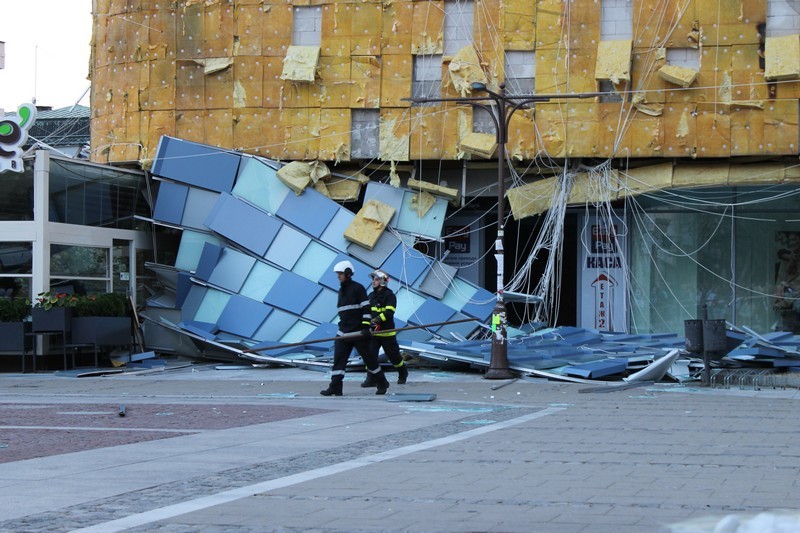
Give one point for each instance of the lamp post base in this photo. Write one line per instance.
(498, 365)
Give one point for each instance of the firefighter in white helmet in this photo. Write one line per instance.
(383, 304)
(354, 322)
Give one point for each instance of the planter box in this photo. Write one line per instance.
(101, 330)
(55, 319)
(13, 338)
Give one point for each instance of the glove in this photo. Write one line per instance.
(366, 332)
(375, 327)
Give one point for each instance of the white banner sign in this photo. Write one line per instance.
(603, 283)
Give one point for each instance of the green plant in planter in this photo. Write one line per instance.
(48, 300)
(104, 304)
(14, 309)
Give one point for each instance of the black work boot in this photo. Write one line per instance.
(334, 389)
(369, 381)
(381, 382)
(402, 374)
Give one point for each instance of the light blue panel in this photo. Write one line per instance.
(192, 302)
(242, 316)
(438, 278)
(196, 164)
(203, 329)
(258, 184)
(314, 262)
(331, 280)
(323, 331)
(208, 261)
(334, 234)
(418, 335)
(407, 304)
(406, 265)
(287, 247)
(430, 312)
(386, 194)
(243, 224)
(199, 205)
(170, 202)
(463, 329)
(480, 305)
(191, 248)
(261, 279)
(310, 211)
(275, 326)
(232, 270)
(211, 307)
(458, 293)
(292, 293)
(429, 226)
(323, 308)
(298, 332)
(387, 243)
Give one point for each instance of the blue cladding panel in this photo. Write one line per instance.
(323, 308)
(334, 234)
(387, 243)
(314, 262)
(275, 326)
(323, 331)
(202, 329)
(242, 316)
(406, 265)
(208, 261)
(191, 248)
(292, 293)
(243, 224)
(386, 194)
(463, 329)
(438, 278)
(232, 270)
(199, 205)
(258, 184)
(182, 290)
(431, 311)
(330, 280)
(170, 202)
(260, 280)
(430, 225)
(310, 211)
(480, 305)
(298, 332)
(597, 369)
(211, 307)
(459, 293)
(407, 304)
(192, 302)
(287, 247)
(196, 164)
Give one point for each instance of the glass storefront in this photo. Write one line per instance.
(16, 269)
(16, 202)
(79, 269)
(722, 248)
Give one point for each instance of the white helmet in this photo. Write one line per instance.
(345, 267)
(381, 276)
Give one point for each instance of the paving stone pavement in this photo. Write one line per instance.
(525, 455)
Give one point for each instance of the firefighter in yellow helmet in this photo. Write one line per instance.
(383, 303)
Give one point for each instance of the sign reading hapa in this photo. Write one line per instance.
(13, 134)
(602, 277)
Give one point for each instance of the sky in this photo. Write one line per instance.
(47, 52)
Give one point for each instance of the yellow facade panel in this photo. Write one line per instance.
(519, 24)
(334, 135)
(782, 57)
(162, 26)
(334, 83)
(521, 143)
(189, 33)
(642, 135)
(747, 131)
(427, 28)
(273, 134)
(563, 71)
(680, 130)
(658, 23)
(276, 30)
(117, 47)
(158, 123)
(248, 30)
(395, 128)
(157, 85)
(757, 173)
(780, 127)
(248, 82)
(396, 75)
(218, 30)
(700, 174)
(531, 199)
(219, 89)
(248, 124)
(593, 188)
(365, 29)
(397, 28)
(613, 61)
(219, 127)
(583, 129)
(677, 75)
(272, 90)
(550, 24)
(649, 85)
(336, 29)
(298, 94)
(645, 179)
(365, 77)
(551, 123)
(191, 125)
(713, 131)
(456, 124)
(427, 134)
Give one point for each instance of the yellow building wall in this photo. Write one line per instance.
(211, 71)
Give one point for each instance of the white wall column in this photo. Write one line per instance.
(41, 244)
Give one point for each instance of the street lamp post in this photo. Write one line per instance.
(504, 108)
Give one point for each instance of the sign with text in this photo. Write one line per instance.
(463, 242)
(13, 135)
(603, 282)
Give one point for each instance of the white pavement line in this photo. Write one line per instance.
(87, 428)
(205, 502)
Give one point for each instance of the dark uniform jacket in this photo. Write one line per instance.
(353, 307)
(383, 304)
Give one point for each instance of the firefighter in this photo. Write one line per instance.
(354, 318)
(383, 302)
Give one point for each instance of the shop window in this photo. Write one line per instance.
(16, 202)
(16, 269)
(79, 269)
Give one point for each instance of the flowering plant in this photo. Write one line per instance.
(104, 304)
(49, 300)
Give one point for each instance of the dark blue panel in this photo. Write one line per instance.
(323, 308)
(310, 211)
(597, 369)
(192, 302)
(242, 316)
(462, 329)
(432, 311)
(406, 265)
(387, 243)
(182, 289)
(170, 202)
(480, 305)
(243, 224)
(323, 331)
(275, 326)
(196, 164)
(231, 270)
(334, 234)
(203, 329)
(292, 293)
(330, 280)
(208, 261)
